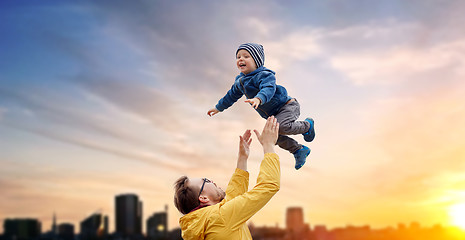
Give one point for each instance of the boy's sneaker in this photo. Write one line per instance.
(301, 156)
(310, 134)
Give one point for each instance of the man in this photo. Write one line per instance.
(211, 213)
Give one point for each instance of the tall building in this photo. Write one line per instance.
(53, 233)
(295, 219)
(157, 225)
(54, 225)
(128, 212)
(94, 227)
(21, 229)
(296, 229)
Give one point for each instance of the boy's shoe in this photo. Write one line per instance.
(301, 156)
(310, 134)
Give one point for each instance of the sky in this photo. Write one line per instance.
(100, 98)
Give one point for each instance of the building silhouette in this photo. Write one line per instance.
(321, 232)
(175, 234)
(21, 229)
(54, 229)
(157, 225)
(295, 219)
(53, 233)
(95, 227)
(295, 225)
(267, 233)
(128, 213)
(66, 231)
(298, 230)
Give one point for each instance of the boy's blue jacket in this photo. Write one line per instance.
(261, 84)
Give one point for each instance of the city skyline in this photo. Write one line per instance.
(99, 98)
(293, 218)
(296, 227)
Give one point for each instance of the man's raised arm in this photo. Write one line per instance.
(239, 182)
(244, 206)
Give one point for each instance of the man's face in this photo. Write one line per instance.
(213, 192)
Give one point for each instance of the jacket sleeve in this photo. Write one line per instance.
(238, 184)
(267, 86)
(241, 208)
(230, 98)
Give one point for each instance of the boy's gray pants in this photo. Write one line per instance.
(288, 125)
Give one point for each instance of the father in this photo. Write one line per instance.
(210, 213)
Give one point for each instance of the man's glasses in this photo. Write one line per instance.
(203, 184)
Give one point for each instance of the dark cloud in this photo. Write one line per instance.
(58, 109)
(185, 38)
(102, 147)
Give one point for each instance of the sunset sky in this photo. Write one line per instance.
(99, 98)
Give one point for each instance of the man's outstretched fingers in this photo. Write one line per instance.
(273, 122)
(269, 122)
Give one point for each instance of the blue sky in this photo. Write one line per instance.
(99, 98)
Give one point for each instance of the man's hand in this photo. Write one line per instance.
(254, 101)
(212, 112)
(244, 150)
(269, 135)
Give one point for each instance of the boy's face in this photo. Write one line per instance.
(245, 62)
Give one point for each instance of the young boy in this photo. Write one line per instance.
(258, 84)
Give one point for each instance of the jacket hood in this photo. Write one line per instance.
(193, 224)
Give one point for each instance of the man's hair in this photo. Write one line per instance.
(185, 198)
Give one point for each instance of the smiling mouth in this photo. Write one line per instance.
(242, 65)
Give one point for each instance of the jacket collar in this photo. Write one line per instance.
(262, 68)
(199, 207)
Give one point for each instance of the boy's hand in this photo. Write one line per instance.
(212, 112)
(254, 101)
(269, 135)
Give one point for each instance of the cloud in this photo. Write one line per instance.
(377, 52)
(399, 64)
(3, 111)
(299, 45)
(382, 52)
(178, 76)
(66, 123)
(419, 142)
(171, 138)
(183, 45)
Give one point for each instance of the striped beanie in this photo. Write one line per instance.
(257, 52)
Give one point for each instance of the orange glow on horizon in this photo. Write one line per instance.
(457, 214)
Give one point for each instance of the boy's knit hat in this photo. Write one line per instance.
(257, 52)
